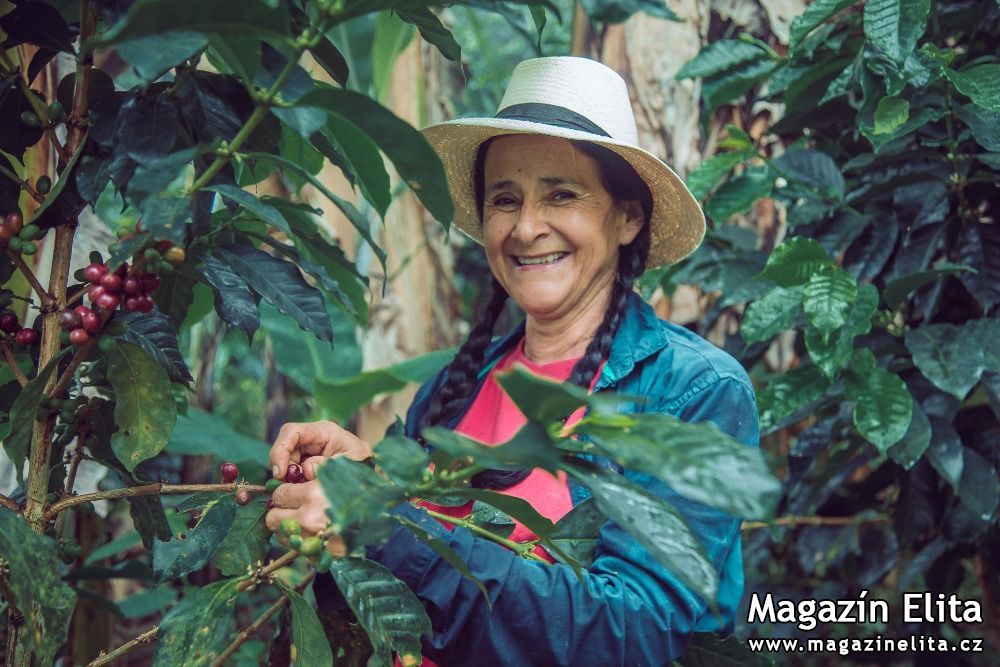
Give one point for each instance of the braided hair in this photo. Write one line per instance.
(623, 184)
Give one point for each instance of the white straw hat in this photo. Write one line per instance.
(571, 98)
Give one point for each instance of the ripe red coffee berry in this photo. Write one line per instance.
(242, 497)
(133, 303)
(14, 221)
(9, 323)
(70, 319)
(94, 272)
(26, 337)
(91, 323)
(132, 286)
(294, 474)
(95, 292)
(230, 472)
(78, 337)
(122, 271)
(146, 303)
(82, 310)
(111, 283)
(150, 282)
(108, 301)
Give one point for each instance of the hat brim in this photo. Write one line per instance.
(677, 223)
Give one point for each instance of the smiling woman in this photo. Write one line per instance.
(570, 211)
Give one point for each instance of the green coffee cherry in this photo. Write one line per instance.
(28, 248)
(106, 343)
(56, 112)
(31, 232)
(311, 546)
(289, 527)
(272, 484)
(15, 244)
(324, 562)
(151, 255)
(43, 185)
(295, 541)
(31, 119)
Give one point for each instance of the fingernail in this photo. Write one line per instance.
(274, 470)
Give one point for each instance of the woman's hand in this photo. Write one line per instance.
(310, 443)
(306, 503)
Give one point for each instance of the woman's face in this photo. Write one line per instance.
(550, 229)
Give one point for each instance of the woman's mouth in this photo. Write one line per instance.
(545, 261)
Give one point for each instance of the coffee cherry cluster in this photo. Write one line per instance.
(17, 236)
(129, 288)
(310, 547)
(10, 326)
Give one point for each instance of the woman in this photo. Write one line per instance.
(570, 212)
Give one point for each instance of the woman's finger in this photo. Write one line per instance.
(310, 466)
(296, 439)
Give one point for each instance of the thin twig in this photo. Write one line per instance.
(9, 356)
(47, 299)
(106, 658)
(78, 358)
(9, 503)
(22, 183)
(814, 521)
(516, 547)
(147, 490)
(252, 629)
(74, 464)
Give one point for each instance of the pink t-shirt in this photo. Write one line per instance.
(492, 419)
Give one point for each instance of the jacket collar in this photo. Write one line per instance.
(639, 336)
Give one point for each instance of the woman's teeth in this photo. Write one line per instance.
(548, 259)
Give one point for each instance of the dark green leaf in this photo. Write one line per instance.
(979, 248)
(947, 355)
(22, 416)
(148, 126)
(364, 159)
(149, 518)
(147, 602)
(176, 292)
(732, 84)
(795, 261)
(772, 314)
(979, 489)
(813, 169)
(391, 37)
(279, 282)
(788, 392)
(33, 577)
(721, 56)
(191, 634)
(359, 499)
(883, 407)
(415, 160)
(332, 60)
(265, 212)
(540, 399)
(816, 12)
(309, 643)
(576, 532)
(387, 609)
(234, 301)
(37, 23)
(145, 410)
(167, 218)
(699, 461)
(302, 357)
(656, 525)
(152, 333)
(156, 17)
(894, 26)
(897, 290)
(433, 32)
(402, 459)
(178, 557)
(890, 113)
(831, 353)
(245, 544)
(827, 299)
(707, 174)
(738, 194)
(915, 441)
(980, 83)
(153, 55)
(945, 452)
(985, 125)
(529, 448)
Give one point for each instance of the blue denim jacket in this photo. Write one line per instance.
(632, 610)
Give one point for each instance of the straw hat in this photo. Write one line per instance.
(571, 98)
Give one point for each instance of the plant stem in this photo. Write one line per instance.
(814, 521)
(252, 629)
(47, 299)
(25, 185)
(159, 488)
(8, 503)
(9, 356)
(525, 550)
(107, 658)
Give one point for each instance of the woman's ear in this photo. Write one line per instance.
(634, 220)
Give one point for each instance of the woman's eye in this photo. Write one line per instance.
(563, 195)
(504, 201)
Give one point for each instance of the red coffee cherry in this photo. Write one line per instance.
(150, 282)
(70, 319)
(132, 286)
(242, 497)
(146, 303)
(82, 310)
(78, 337)
(95, 292)
(111, 283)
(230, 472)
(294, 474)
(9, 323)
(122, 271)
(91, 323)
(14, 222)
(133, 303)
(94, 272)
(26, 337)
(108, 301)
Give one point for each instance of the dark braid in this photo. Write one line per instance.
(624, 185)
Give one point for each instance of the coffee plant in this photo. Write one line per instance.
(885, 287)
(218, 97)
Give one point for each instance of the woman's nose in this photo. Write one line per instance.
(530, 224)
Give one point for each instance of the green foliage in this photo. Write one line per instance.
(883, 284)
